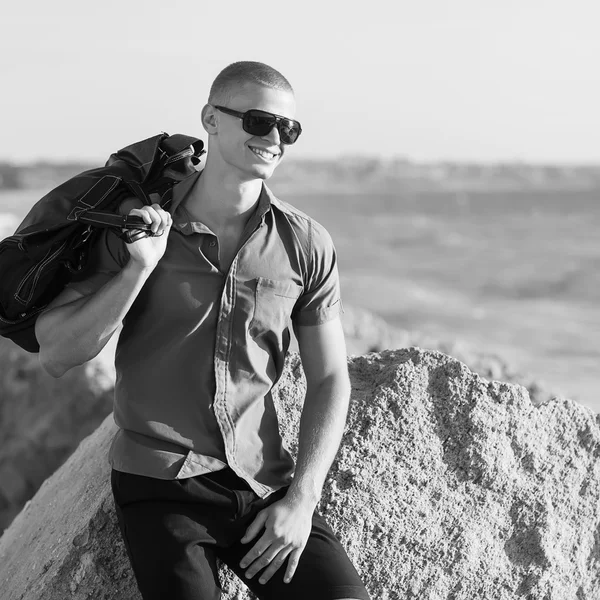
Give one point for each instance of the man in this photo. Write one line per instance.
(206, 303)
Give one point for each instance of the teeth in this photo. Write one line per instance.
(263, 153)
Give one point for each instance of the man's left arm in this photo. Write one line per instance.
(287, 523)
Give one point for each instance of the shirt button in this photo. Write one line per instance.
(213, 243)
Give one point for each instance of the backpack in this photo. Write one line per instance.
(53, 242)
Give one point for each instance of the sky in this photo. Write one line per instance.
(462, 80)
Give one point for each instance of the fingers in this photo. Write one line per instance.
(257, 550)
(293, 561)
(284, 538)
(255, 527)
(263, 560)
(273, 559)
(158, 219)
(133, 235)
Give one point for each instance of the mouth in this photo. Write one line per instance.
(266, 155)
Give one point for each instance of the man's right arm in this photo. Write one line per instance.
(75, 327)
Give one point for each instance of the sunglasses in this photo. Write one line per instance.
(259, 122)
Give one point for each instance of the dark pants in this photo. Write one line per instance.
(174, 530)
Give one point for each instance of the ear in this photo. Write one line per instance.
(209, 119)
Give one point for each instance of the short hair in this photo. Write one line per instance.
(239, 73)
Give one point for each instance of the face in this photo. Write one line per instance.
(253, 157)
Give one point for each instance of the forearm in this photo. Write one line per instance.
(73, 333)
(321, 428)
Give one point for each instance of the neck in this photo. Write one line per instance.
(221, 197)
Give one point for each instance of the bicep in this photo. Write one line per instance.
(67, 296)
(322, 350)
(52, 317)
(49, 314)
(108, 256)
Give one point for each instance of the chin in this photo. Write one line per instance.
(263, 171)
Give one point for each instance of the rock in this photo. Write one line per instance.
(42, 420)
(446, 486)
(366, 331)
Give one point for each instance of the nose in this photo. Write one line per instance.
(273, 136)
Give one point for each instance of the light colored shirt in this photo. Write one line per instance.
(201, 349)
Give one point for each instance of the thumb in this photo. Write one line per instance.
(255, 527)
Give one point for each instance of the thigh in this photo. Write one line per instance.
(324, 572)
(170, 545)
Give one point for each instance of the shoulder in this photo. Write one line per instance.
(309, 230)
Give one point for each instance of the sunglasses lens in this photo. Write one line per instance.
(257, 123)
(289, 131)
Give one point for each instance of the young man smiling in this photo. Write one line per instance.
(199, 470)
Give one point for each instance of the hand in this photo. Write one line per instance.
(287, 527)
(148, 250)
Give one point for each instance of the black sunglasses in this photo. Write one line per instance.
(259, 122)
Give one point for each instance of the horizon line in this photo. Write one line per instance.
(351, 157)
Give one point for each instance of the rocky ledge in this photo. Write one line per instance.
(42, 420)
(446, 486)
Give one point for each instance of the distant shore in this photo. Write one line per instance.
(354, 175)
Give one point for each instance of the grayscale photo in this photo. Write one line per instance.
(300, 300)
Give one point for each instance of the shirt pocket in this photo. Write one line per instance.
(273, 304)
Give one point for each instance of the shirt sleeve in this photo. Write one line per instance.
(321, 301)
(108, 256)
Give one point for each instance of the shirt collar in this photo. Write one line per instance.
(182, 189)
(181, 217)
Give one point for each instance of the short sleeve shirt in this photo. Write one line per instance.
(201, 348)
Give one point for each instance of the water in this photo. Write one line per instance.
(517, 274)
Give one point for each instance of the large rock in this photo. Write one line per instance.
(365, 331)
(42, 420)
(446, 486)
